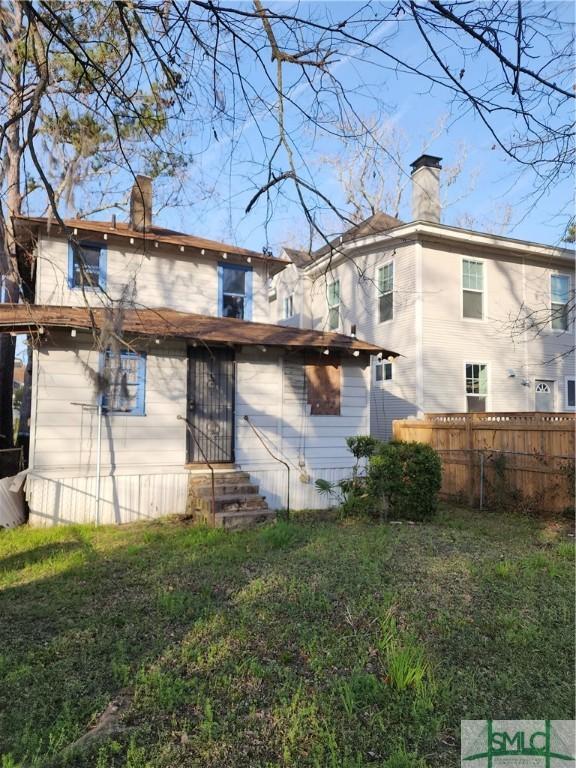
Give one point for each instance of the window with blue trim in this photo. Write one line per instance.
(86, 265)
(235, 291)
(125, 382)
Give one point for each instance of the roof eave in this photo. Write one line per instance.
(275, 264)
(422, 229)
(37, 322)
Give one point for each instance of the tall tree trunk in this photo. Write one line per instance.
(8, 245)
(7, 351)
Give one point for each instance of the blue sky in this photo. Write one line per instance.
(225, 172)
(417, 110)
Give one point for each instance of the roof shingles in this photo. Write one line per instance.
(26, 318)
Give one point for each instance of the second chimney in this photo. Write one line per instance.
(141, 203)
(426, 188)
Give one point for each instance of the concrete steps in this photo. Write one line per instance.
(237, 503)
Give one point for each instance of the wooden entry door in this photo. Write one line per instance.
(211, 386)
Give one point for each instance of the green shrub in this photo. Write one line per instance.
(361, 447)
(404, 479)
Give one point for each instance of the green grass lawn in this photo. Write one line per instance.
(310, 643)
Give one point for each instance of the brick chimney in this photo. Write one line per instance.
(141, 203)
(426, 188)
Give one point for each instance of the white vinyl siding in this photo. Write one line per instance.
(143, 459)
(386, 292)
(65, 423)
(396, 398)
(472, 289)
(159, 277)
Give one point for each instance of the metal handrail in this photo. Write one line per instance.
(190, 429)
(276, 458)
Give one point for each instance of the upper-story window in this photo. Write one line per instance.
(476, 387)
(235, 291)
(125, 377)
(334, 305)
(560, 297)
(86, 265)
(288, 306)
(386, 292)
(473, 289)
(382, 370)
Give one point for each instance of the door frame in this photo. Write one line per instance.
(552, 382)
(190, 416)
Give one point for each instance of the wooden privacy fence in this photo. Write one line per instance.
(525, 460)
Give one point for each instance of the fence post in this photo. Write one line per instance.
(481, 479)
(470, 452)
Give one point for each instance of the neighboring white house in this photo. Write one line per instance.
(154, 326)
(481, 322)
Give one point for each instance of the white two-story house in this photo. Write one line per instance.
(482, 322)
(154, 364)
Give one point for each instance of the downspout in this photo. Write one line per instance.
(98, 460)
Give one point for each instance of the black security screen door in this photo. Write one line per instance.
(211, 404)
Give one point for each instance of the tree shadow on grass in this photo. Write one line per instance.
(76, 540)
(72, 640)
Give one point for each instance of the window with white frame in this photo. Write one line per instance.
(235, 291)
(570, 393)
(382, 370)
(560, 297)
(476, 387)
(472, 289)
(386, 292)
(333, 296)
(125, 382)
(288, 306)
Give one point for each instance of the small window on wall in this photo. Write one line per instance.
(476, 387)
(333, 297)
(386, 292)
(86, 265)
(289, 307)
(235, 291)
(560, 298)
(323, 385)
(125, 377)
(383, 370)
(472, 289)
(571, 394)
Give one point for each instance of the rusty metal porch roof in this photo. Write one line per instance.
(168, 323)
